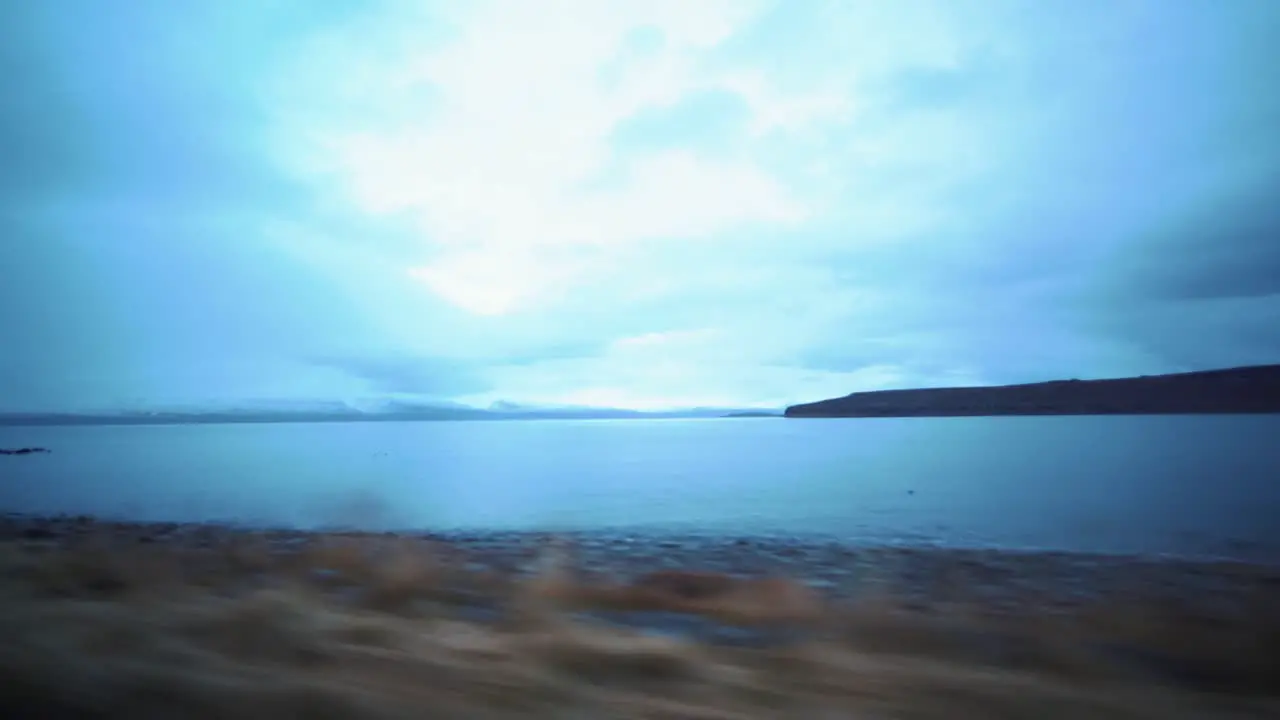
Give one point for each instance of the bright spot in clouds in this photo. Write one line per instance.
(505, 179)
(619, 202)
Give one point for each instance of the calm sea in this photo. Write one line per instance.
(1187, 485)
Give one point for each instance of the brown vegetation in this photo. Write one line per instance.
(722, 597)
(109, 626)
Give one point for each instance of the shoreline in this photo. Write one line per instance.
(920, 574)
(116, 619)
(1251, 389)
(862, 414)
(1248, 553)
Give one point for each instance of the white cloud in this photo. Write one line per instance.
(701, 366)
(877, 165)
(498, 145)
(680, 199)
(498, 175)
(624, 379)
(775, 108)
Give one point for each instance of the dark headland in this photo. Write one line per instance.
(1254, 389)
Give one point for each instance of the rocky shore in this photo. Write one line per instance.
(999, 581)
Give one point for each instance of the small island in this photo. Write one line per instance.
(1253, 389)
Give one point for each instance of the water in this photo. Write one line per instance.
(1188, 485)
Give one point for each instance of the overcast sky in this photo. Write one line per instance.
(629, 202)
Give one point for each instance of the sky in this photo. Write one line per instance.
(636, 203)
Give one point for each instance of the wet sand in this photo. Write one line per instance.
(110, 619)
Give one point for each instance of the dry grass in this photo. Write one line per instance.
(370, 627)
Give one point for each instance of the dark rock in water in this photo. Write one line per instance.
(24, 451)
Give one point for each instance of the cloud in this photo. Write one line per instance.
(718, 202)
(39, 137)
(503, 176)
(1226, 247)
(1202, 290)
(623, 379)
(934, 191)
(426, 377)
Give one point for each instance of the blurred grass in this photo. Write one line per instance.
(107, 625)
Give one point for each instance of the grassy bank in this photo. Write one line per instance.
(100, 623)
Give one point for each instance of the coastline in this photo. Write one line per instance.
(116, 619)
(1251, 390)
(920, 575)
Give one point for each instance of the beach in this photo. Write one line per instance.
(118, 619)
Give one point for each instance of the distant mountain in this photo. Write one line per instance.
(382, 411)
(1254, 389)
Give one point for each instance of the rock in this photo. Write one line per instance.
(25, 451)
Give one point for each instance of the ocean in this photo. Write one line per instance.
(1176, 485)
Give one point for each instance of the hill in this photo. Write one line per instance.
(388, 412)
(1254, 389)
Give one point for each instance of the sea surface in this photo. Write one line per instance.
(1175, 485)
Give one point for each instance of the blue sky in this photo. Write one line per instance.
(628, 203)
